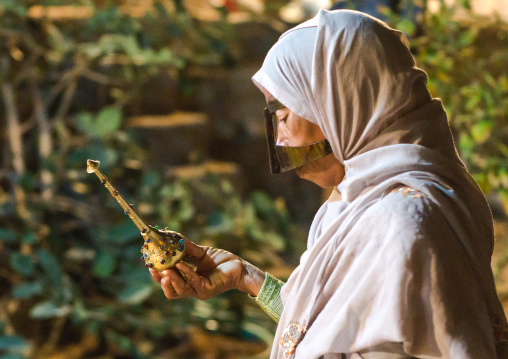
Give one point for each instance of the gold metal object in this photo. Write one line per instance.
(285, 158)
(162, 249)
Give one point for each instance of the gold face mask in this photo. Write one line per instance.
(285, 158)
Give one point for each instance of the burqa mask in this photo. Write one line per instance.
(285, 158)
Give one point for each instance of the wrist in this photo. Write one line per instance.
(252, 279)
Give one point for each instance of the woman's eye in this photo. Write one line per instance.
(282, 115)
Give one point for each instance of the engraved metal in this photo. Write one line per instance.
(161, 249)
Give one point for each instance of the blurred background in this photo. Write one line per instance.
(160, 93)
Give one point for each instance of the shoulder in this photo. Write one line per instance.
(400, 220)
(403, 203)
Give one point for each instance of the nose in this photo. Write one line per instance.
(281, 139)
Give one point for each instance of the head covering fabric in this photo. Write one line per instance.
(355, 78)
(384, 272)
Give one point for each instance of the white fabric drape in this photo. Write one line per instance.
(385, 275)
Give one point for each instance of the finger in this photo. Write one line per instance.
(178, 284)
(193, 280)
(156, 275)
(167, 288)
(187, 273)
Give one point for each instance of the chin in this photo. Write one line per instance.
(324, 176)
(310, 177)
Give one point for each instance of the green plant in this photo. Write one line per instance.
(465, 57)
(69, 258)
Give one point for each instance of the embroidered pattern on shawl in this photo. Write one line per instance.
(355, 78)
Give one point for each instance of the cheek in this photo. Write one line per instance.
(300, 132)
(307, 133)
(317, 134)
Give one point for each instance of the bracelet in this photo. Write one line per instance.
(269, 297)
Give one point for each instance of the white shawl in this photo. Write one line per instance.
(383, 270)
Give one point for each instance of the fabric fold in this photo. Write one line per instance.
(406, 269)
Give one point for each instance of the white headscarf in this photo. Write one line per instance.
(368, 277)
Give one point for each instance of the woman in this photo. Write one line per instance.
(398, 259)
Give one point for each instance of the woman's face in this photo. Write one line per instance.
(293, 130)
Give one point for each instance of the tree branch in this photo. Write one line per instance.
(64, 204)
(13, 128)
(45, 140)
(102, 79)
(65, 103)
(61, 129)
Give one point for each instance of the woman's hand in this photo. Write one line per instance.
(217, 271)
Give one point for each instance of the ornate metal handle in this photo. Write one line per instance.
(162, 249)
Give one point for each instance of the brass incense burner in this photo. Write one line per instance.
(162, 249)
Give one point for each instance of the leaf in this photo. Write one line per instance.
(10, 342)
(108, 120)
(45, 310)
(103, 264)
(466, 145)
(123, 342)
(150, 179)
(272, 239)
(27, 290)
(466, 4)
(467, 38)
(61, 43)
(136, 293)
(29, 238)
(186, 211)
(85, 123)
(275, 240)
(384, 10)
(79, 312)
(12, 356)
(130, 45)
(6, 235)
(164, 56)
(407, 27)
(503, 197)
(123, 233)
(51, 267)
(481, 131)
(28, 182)
(218, 222)
(12, 6)
(263, 204)
(22, 264)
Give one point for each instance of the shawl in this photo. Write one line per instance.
(406, 267)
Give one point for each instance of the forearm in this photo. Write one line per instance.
(269, 297)
(263, 288)
(252, 279)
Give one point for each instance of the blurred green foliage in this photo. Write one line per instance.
(70, 266)
(69, 258)
(466, 58)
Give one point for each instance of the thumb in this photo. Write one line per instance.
(192, 249)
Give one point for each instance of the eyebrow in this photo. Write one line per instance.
(274, 105)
